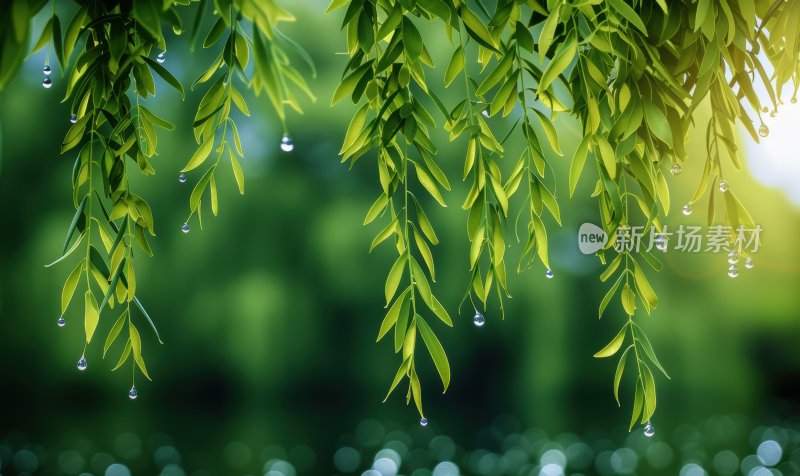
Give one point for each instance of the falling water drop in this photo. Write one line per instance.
(733, 257)
(182, 178)
(763, 131)
(485, 113)
(649, 431)
(73, 118)
(733, 271)
(723, 186)
(423, 421)
(47, 83)
(748, 263)
(479, 320)
(61, 321)
(549, 274)
(676, 169)
(661, 242)
(161, 57)
(185, 228)
(82, 363)
(287, 144)
(687, 209)
(46, 70)
(133, 393)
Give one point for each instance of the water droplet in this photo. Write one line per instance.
(61, 321)
(763, 131)
(649, 431)
(687, 209)
(133, 393)
(182, 178)
(765, 109)
(47, 83)
(723, 186)
(73, 118)
(82, 363)
(661, 242)
(748, 263)
(46, 70)
(794, 100)
(549, 274)
(479, 320)
(676, 169)
(485, 113)
(733, 257)
(423, 421)
(733, 271)
(161, 57)
(185, 228)
(287, 144)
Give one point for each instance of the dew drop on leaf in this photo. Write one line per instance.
(185, 228)
(763, 131)
(73, 118)
(748, 263)
(47, 83)
(676, 169)
(133, 393)
(82, 363)
(649, 431)
(549, 274)
(61, 321)
(733, 271)
(723, 186)
(733, 257)
(687, 210)
(182, 178)
(423, 421)
(46, 70)
(161, 58)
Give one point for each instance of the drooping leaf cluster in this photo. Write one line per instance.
(632, 72)
(109, 54)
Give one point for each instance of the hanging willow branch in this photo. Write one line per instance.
(109, 55)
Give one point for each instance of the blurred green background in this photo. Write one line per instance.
(269, 314)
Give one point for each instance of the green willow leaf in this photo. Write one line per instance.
(436, 350)
(91, 315)
(562, 58)
(576, 167)
(613, 347)
(619, 371)
(69, 287)
(393, 279)
(115, 330)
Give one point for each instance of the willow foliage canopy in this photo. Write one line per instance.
(632, 72)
